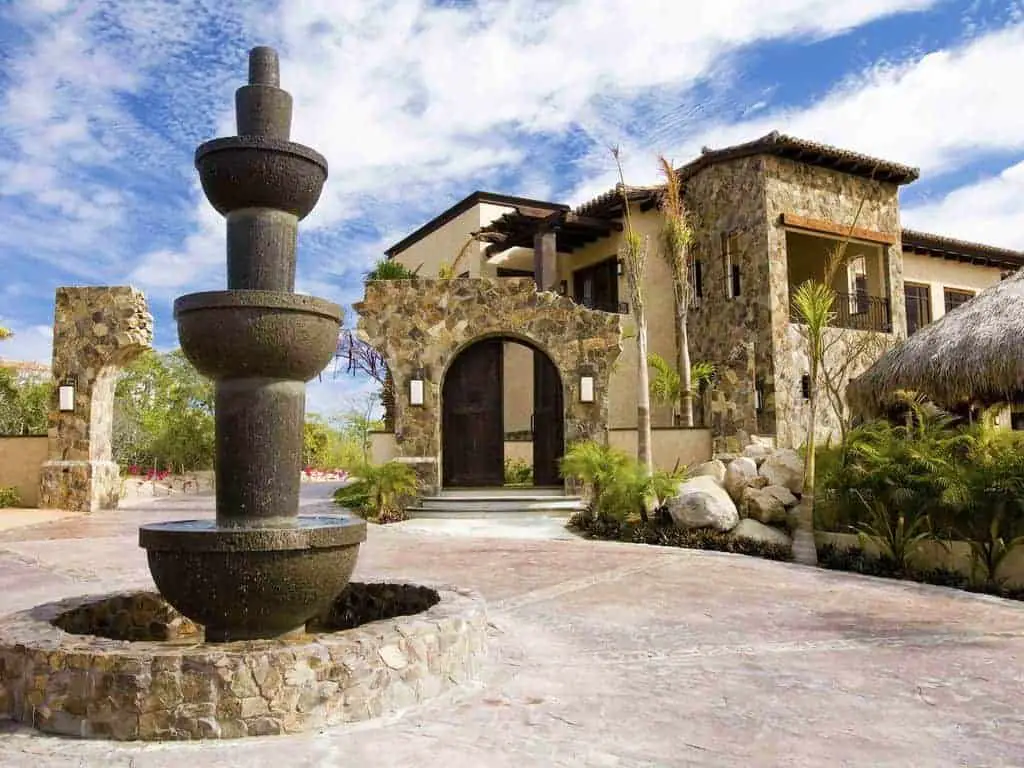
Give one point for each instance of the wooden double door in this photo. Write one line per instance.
(472, 421)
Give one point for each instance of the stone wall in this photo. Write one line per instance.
(819, 193)
(424, 324)
(733, 333)
(95, 332)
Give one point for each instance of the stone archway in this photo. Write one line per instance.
(96, 331)
(419, 326)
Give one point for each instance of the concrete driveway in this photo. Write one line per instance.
(613, 655)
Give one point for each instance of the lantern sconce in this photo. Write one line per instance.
(416, 388)
(621, 268)
(66, 395)
(586, 389)
(759, 397)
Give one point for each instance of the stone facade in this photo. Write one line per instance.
(424, 324)
(96, 331)
(179, 689)
(750, 337)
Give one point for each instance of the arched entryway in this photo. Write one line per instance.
(502, 399)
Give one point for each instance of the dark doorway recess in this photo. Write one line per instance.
(472, 419)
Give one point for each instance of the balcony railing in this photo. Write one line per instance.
(857, 311)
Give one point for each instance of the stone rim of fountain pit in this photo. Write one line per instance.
(174, 690)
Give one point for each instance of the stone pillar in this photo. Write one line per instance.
(96, 331)
(545, 260)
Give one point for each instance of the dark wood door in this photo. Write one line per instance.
(548, 421)
(472, 428)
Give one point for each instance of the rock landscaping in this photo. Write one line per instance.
(750, 496)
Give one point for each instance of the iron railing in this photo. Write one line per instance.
(857, 311)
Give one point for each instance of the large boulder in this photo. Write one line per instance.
(751, 530)
(784, 467)
(738, 475)
(757, 452)
(702, 503)
(713, 468)
(762, 506)
(783, 494)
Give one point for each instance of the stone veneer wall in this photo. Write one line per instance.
(819, 193)
(733, 333)
(425, 323)
(95, 332)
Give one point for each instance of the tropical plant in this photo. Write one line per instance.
(9, 496)
(676, 236)
(379, 492)
(633, 254)
(898, 534)
(447, 271)
(518, 472)
(593, 464)
(666, 384)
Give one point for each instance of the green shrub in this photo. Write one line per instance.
(380, 493)
(518, 472)
(617, 485)
(9, 497)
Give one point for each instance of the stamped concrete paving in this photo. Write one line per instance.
(615, 655)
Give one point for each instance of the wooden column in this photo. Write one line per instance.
(545, 260)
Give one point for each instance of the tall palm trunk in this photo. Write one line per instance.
(643, 399)
(805, 550)
(683, 351)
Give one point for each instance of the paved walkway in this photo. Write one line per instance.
(614, 655)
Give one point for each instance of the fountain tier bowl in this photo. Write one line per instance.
(250, 334)
(251, 583)
(259, 172)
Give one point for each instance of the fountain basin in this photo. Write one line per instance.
(58, 678)
(257, 334)
(252, 583)
(260, 172)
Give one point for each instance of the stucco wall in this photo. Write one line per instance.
(940, 274)
(21, 461)
(819, 193)
(444, 243)
(658, 302)
(517, 382)
(668, 445)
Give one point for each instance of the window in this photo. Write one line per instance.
(919, 306)
(696, 282)
(955, 298)
(857, 285)
(597, 286)
(730, 269)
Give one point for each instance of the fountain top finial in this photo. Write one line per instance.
(264, 66)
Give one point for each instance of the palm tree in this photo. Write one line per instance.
(633, 253)
(666, 386)
(676, 236)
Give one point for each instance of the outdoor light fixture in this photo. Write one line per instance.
(66, 395)
(416, 388)
(622, 269)
(586, 389)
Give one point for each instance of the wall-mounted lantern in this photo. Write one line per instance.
(416, 388)
(759, 396)
(66, 394)
(586, 389)
(621, 268)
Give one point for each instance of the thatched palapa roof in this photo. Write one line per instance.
(974, 353)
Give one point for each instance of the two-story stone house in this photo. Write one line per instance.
(766, 215)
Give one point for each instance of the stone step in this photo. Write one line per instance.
(488, 504)
(502, 493)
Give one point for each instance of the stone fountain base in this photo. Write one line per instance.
(127, 666)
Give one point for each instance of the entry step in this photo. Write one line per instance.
(499, 501)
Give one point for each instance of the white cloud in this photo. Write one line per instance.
(937, 111)
(30, 343)
(988, 211)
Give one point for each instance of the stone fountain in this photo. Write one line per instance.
(259, 570)
(257, 629)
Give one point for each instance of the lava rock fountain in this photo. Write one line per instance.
(257, 629)
(260, 570)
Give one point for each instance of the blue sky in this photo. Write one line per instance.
(417, 103)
